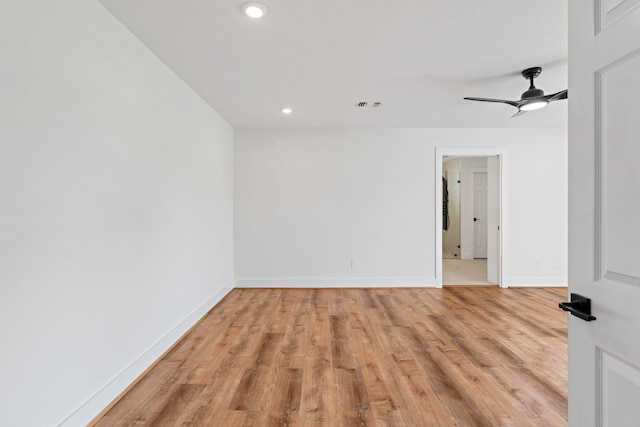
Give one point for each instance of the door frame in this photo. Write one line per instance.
(501, 153)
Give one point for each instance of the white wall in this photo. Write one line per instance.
(116, 210)
(538, 192)
(307, 202)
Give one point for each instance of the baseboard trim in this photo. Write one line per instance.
(111, 392)
(334, 282)
(513, 282)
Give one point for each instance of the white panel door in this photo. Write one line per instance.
(604, 209)
(479, 214)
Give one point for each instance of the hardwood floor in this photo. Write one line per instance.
(458, 356)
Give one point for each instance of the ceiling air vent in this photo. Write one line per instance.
(363, 104)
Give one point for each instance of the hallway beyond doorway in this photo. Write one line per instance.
(458, 271)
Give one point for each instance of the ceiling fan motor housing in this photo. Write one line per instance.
(532, 93)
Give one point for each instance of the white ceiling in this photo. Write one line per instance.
(418, 57)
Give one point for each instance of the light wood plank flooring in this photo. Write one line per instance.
(458, 356)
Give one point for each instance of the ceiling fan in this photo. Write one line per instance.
(532, 99)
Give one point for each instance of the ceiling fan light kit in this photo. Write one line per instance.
(535, 105)
(532, 99)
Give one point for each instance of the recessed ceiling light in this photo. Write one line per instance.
(286, 110)
(254, 9)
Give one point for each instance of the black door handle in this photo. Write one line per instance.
(579, 306)
(475, 219)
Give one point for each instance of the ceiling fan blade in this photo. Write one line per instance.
(532, 99)
(504, 101)
(563, 94)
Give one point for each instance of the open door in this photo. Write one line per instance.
(604, 208)
(480, 214)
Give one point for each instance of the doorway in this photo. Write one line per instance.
(470, 224)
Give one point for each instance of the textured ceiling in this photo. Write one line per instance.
(418, 57)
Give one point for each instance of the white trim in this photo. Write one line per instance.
(334, 282)
(503, 197)
(557, 281)
(103, 397)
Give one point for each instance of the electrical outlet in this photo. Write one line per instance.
(555, 264)
(536, 264)
(354, 264)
